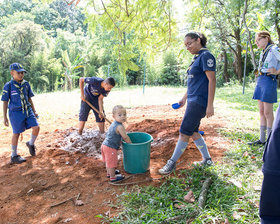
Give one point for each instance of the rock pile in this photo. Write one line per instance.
(89, 143)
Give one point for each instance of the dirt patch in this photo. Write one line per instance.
(30, 190)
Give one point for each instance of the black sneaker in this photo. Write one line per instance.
(17, 159)
(259, 142)
(32, 149)
(116, 172)
(119, 177)
(204, 162)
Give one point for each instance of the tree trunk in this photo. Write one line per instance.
(277, 27)
(225, 74)
(249, 35)
(238, 56)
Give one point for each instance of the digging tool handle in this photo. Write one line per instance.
(97, 111)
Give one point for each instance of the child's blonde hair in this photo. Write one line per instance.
(117, 107)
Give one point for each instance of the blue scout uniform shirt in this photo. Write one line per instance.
(197, 79)
(93, 87)
(113, 140)
(12, 94)
(271, 156)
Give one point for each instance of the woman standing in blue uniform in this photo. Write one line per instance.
(270, 194)
(199, 96)
(265, 91)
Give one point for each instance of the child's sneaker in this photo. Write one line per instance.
(204, 162)
(258, 142)
(17, 159)
(116, 172)
(168, 168)
(32, 149)
(118, 177)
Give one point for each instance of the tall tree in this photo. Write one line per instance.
(144, 24)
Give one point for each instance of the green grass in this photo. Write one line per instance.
(157, 204)
(226, 199)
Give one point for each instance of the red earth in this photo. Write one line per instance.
(32, 192)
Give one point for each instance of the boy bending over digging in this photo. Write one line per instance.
(94, 91)
(112, 143)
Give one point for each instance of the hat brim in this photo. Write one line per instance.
(21, 70)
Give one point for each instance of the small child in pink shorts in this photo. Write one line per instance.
(112, 143)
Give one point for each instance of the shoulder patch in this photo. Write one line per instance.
(210, 62)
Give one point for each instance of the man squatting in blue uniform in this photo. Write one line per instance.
(94, 91)
(266, 88)
(199, 96)
(22, 113)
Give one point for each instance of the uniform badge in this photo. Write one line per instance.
(210, 63)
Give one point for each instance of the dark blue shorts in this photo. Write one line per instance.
(266, 89)
(270, 220)
(85, 109)
(270, 198)
(191, 121)
(20, 121)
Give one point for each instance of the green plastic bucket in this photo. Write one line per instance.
(136, 156)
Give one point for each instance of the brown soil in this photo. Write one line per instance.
(30, 192)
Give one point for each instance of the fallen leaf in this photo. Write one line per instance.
(179, 206)
(79, 203)
(189, 197)
(236, 216)
(236, 183)
(68, 220)
(245, 154)
(257, 188)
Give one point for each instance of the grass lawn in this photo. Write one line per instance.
(236, 181)
(235, 190)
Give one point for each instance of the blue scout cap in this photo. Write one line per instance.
(17, 67)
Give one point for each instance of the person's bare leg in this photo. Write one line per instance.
(263, 121)
(111, 172)
(268, 113)
(101, 126)
(15, 138)
(35, 130)
(81, 127)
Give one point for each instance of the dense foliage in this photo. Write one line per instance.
(59, 41)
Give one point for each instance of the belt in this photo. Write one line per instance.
(274, 77)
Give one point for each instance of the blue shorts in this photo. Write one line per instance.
(266, 89)
(270, 198)
(191, 121)
(20, 121)
(85, 109)
(270, 220)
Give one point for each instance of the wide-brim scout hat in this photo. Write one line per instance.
(17, 67)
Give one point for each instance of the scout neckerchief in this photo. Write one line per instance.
(264, 55)
(195, 57)
(23, 101)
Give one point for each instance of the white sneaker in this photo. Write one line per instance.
(168, 168)
(204, 162)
